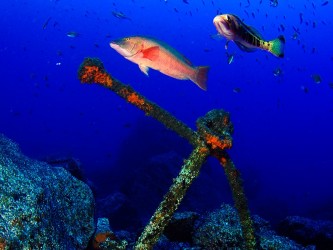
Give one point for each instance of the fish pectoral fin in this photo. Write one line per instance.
(144, 69)
(151, 53)
(226, 44)
(243, 47)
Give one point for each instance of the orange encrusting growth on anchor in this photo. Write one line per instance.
(135, 99)
(92, 71)
(212, 138)
(215, 142)
(223, 160)
(93, 74)
(203, 150)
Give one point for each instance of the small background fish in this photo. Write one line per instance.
(72, 34)
(120, 15)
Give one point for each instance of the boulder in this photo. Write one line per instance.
(41, 207)
(221, 229)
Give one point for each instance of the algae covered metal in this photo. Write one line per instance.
(212, 138)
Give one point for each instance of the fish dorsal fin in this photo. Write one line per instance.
(255, 32)
(144, 69)
(151, 53)
(186, 60)
(243, 47)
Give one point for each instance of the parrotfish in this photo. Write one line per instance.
(246, 37)
(151, 53)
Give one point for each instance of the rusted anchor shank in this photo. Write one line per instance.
(212, 138)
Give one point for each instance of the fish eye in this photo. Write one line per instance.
(228, 18)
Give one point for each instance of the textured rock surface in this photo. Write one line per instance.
(40, 206)
(221, 230)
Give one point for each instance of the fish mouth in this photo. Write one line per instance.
(222, 26)
(117, 41)
(116, 45)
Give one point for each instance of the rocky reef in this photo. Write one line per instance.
(45, 207)
(220, 229)
(41, 207)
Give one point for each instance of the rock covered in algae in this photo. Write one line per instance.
(41, 207)
(221, 229)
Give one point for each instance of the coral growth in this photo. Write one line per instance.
(93, 72)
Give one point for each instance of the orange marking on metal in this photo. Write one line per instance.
(89, 71)
(215, 142)
(93, 72)
(223, 161)
(135, 99)
(203, 150)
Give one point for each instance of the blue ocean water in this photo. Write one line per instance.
(283, 124)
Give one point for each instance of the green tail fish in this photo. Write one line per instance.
(246, 37)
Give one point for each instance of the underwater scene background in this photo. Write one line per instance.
(281, 108)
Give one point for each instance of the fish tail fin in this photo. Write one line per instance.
(200, 77)
(277, 46)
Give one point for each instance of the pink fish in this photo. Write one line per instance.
(150, 53)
